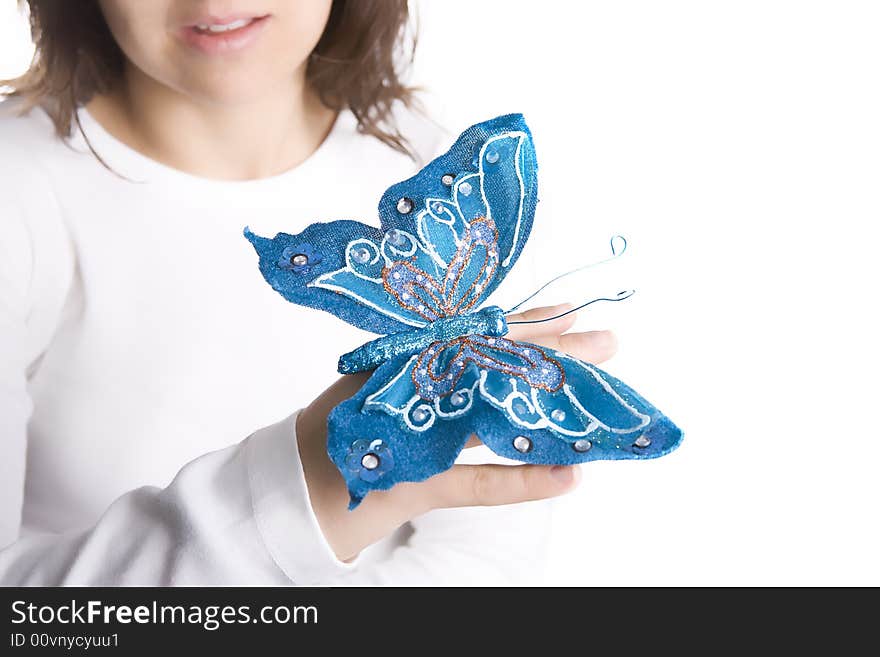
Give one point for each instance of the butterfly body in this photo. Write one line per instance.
(444, 370)
(488, 322)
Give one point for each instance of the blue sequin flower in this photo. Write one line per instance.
(299, 258)
(370, 460)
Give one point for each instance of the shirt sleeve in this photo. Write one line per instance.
(237, 516)
(242, 516)
(33, 283)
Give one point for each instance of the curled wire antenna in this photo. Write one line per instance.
(618, 247)
(620, 296)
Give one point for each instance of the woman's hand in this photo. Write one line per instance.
(381, 512)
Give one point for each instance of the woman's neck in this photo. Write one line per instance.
(259, 138)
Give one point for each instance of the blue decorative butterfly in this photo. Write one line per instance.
(444, 370)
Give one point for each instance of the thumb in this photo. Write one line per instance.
(492, 485)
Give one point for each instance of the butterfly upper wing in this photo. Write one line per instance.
(494, 169)
(557, 410)
(438, 222)
(354, 292)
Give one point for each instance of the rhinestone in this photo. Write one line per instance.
(642, 441)
(420, 414)
(370, 461)
(582, 445)
(491, 157)
(360, 254)
(557, 415)
(404, 205)
(299, 260)
(457, 398)
(438, 208)
(395, 237)
(447, 179)
(522, 444)
(465, 188)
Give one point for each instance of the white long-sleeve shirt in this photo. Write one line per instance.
(149, 378)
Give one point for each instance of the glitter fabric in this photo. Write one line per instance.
(443, 368)
(489, 322)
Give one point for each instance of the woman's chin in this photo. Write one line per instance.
(232, 88)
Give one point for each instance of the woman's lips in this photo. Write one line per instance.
(223, 35)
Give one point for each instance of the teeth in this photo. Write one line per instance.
(234, 25)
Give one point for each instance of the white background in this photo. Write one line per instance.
(737, 146)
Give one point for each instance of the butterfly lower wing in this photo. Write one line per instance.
(592, 416)
(533, 416)
(374, 441)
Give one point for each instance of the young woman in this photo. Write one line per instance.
(139, 347)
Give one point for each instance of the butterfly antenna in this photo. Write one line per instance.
(625, 294)
(618, 247)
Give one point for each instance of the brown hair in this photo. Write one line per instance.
(357, 63)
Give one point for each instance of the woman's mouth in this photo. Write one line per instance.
(228, 27)
(214, 35)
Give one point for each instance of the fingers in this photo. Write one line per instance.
(591, 346)
(552, 327)
(492, 485)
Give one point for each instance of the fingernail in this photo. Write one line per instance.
(563, 474)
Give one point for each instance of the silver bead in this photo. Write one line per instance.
(642, 441)
(465, 189)
(582, 445)
(438, 207)
(491, 157)
(557, 415)
(522, 444)
(370, 461)
(395, 237)
(404, 205)
(360, 254)
(457, 398)
(420, 414)
(299, 260)
(447, 179)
